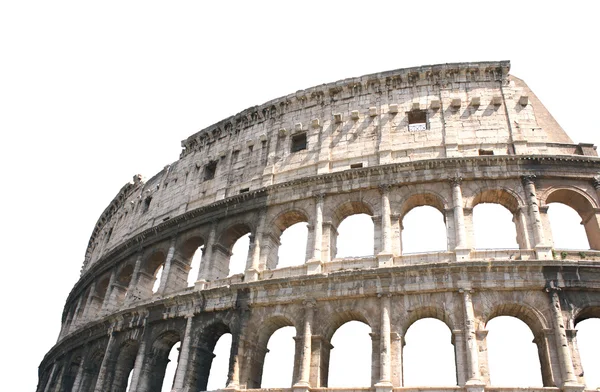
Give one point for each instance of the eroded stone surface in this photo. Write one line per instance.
(448, 136)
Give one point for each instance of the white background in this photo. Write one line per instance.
(92, 93)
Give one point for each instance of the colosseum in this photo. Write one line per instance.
(448, 136)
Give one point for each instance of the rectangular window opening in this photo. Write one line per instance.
(417, 120)
(486, 152)
(244, 190)
(209, 170)
(298, 142)
(356, 166)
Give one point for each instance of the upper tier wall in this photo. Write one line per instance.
(457, 110)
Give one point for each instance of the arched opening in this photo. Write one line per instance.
(157, 279)
(239, 255)
(508, 335)
(423, 230)
(161, 373)
(586, 211)
(121, 285)
(171, 368)
(428, 346)
(493, 227)
(292, 230)
(279, 362)
(195, 267)
(355, 236)
(190, 253)
(231, 254)
(567, 231)
(124, 365)
(129, 380)
(587, 343)
(148, 280)
(292, 248)
(350, 359)
(91, 368)
(218, 370)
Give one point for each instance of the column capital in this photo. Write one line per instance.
(384, 295)
(465, 290)
(319, 197)
(455, 180)
(528, 179)
(384, 188)
(309, 304)
(596, 182)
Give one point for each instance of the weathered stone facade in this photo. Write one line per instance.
(448, 136)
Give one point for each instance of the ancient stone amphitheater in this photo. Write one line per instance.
(449, 136)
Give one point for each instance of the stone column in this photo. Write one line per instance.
(184, 355)
(314, 264)
(303, 384)
(111, 282)
(319, 363)
(396, 235)
(385, 347)
(474, 382)
(204, 272)
(139, 363)
(458, 340)
(48, 386)
(569, 378)
(397, 372)
(131, 290)
(253, 269)
(386, 257)
(461, 250)
(542, 251)
(519, 217)
(80, 370)
(106, 362)
(87, 310)
(162, 288)
(375, 358)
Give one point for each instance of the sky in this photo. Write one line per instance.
(92, 93)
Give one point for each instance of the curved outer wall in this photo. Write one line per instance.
(450, 136)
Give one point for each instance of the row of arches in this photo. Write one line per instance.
(167, 359)
(350, 229)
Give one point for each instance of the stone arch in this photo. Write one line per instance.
(418, 199)
(201, 359)
(583, 204)
(124, 364)
(121, 284)
(503, 196)
(261, 339)
(221, 256)
(342, 211)
(160, 348)
(348, 208)
(96, 297)
(341, 317)
(188, 260)
(149, 269)
(506, 198)
(536, 322)
(337, 321)
(422, 312)
(429, 325)
(590, 310)
(421, 199)
(91, 368)
(276, 227)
